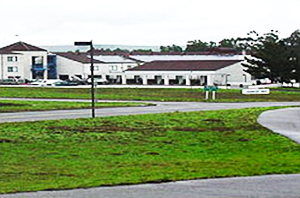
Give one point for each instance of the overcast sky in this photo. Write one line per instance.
(140, 22)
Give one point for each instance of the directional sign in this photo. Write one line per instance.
(82, 43)
(256, 91)
(211, 88)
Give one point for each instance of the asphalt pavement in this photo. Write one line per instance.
(161, 107)
(271, 186)
(283, 121)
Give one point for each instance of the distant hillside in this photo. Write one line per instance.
(66, 48)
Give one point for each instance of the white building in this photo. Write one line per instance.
(189, 72)
(23, 61)
(156, 69)
(105, 67)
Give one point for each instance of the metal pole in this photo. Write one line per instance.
(92, 79)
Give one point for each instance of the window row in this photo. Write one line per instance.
(112, 67)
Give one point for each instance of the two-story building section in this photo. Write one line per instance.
(24, 61)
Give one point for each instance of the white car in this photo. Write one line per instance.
(98, 81)
(43, 83)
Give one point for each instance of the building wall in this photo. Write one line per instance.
(108, 69)
(23, 64)
(234, 75)
(117, 69)
(27, 62)
(181, 77)
(69, 67)
(5, 64)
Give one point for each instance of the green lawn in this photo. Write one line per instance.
(16, 106)
(146, 94)
(66, 154)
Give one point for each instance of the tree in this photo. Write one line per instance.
(173, 48)
(230, 43)
(142, 50)
(196, 46)
(121, 50)
(270, 58)
(212, 44)
(293, 42)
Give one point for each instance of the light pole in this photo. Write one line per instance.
(90, 43)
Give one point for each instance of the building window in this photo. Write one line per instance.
(113, 67)
(37, 60)
(12, 58)
(12, 69)
(63, 77)
(96, 68)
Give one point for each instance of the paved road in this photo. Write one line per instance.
(272, 186)
(161, 107)
(283, 121)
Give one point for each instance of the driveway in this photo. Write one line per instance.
(283, 121)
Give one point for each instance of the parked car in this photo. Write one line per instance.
(65, 83)
(12, 81)
(98, 81)
(43, 83)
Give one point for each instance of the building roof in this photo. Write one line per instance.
(150, 58)
(8, 53)
(113, 59)
(185, 65)
(77, 56)
(20, 46)
(209, 51)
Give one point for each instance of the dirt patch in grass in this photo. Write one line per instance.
(221, 129)
(96, 129)
(244, 140)
(106, 128)
(54, 174)
(152, 153)
(189, 129)
(5, 140)
(11, 105)
(213, 120)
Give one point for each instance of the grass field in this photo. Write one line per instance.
(146, 94)
(17, 106)
(66, 154)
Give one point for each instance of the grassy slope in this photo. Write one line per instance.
(145, 94)
(136, 149)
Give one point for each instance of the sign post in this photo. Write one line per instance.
(206, 89)
(212, 89)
